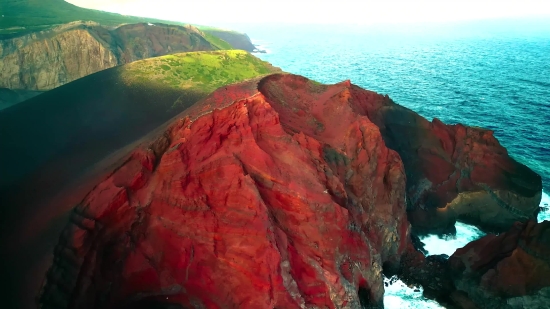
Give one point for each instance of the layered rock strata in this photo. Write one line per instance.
(48, 59)
(283, 193)
(246, 203)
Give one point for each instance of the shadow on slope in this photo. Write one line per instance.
(51, 140)
(9, 97)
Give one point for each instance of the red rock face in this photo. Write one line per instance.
(453, 171)
(512, 264)
(279, 193)
(263, 203)
(511, 270)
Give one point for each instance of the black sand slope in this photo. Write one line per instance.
(52, 143)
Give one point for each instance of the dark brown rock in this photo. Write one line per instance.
(507, 271)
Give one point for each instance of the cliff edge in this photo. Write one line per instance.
(47, 59)
(236, 39)
(278, 192)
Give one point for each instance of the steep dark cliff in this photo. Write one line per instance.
(47, 59)
(236, 39)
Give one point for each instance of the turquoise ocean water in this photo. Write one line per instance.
(494, 75)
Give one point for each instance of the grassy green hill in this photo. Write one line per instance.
(22, 16)
(202, 71)
(25, 16)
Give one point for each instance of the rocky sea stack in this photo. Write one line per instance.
(281, 192)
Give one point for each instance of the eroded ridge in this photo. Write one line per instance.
(453, 171)
(282, 193)
(239, 209)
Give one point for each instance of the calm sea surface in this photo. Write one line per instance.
(494, 76)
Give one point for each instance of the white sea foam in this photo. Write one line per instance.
(544, 214)
(448, 244)
(400, 296)
(466, 233)
(261, 46)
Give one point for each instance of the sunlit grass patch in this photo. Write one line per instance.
(203, 71)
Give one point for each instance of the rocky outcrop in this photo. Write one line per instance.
(55, 144)
(433, 273)
(508, 271)
(47, 59)
(236, 39)
(238, 204)
(453, 171)
(456, 172)
(279, 192)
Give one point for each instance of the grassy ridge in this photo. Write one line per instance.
(31, 15)
(23, 16)
(202, 71)
(101, 112)
(57, 137)
(219, 43)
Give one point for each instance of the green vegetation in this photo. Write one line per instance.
(23, 16)
(316, 86)
(217, 42)
(201, 71)
(209, 28)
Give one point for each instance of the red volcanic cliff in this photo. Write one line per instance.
(279, 193)
(453, 171)
(457, 172)
(253, 205)
(511, 270)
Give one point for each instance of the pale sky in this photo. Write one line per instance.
(212, 12)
